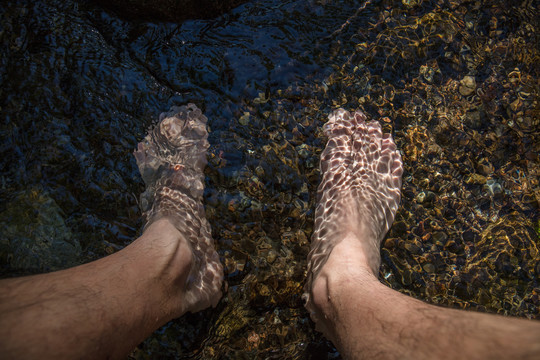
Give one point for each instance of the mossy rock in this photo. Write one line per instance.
(35, 237)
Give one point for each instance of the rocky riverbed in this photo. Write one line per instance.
(456, 82)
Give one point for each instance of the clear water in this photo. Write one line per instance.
(80, 87)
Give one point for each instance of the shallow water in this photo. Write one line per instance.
(456, 82)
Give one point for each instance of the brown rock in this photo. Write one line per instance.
(467, 85)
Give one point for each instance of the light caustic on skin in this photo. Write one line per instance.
(359, 192)
(171, 159)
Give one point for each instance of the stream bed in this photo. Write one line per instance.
(455, 82)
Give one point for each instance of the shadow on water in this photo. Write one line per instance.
(456, 82)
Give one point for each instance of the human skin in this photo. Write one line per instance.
(367, 320)
(105, 308)
(102, 309)
(364, 319)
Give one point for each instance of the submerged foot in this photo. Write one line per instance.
(357, 200)
(171, 160)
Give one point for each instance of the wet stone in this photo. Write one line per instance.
(271, 257)
(476, 179)
(412, 248)
(469, 235)
(244, 119)
(484, 167)
(390, 243)
(475, 119)
(406, 277)
(35, 236)
(439, 237)
(429, 268)
(467, 86)
(493, 188)
(460, 102)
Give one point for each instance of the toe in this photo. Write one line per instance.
(339, 130)
(375, 139)
(339, 121)
(387, 143)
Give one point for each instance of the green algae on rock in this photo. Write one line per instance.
(35, 237)
(83, 85)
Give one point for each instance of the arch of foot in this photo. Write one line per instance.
(171, 160)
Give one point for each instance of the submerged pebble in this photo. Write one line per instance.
(467, 85)
(455, 87)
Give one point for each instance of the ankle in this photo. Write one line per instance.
(168, 257)
(329, 287)
(331, 295)
(348, 267)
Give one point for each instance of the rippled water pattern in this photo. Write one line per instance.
(455, 82)
(171, 160)
(359, 193)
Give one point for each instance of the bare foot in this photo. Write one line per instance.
(171, 159)
(357, 200)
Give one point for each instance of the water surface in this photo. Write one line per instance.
(455, 82)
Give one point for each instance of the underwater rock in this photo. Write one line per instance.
(170, 10)
(474, 118)
(35, 236)
(467, 85)
(504, 257)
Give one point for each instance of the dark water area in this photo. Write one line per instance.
(456, 82)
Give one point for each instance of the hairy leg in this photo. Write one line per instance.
(358, 198)
(171, 159)
(103, 309)
(100, 309)
(367, 320)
